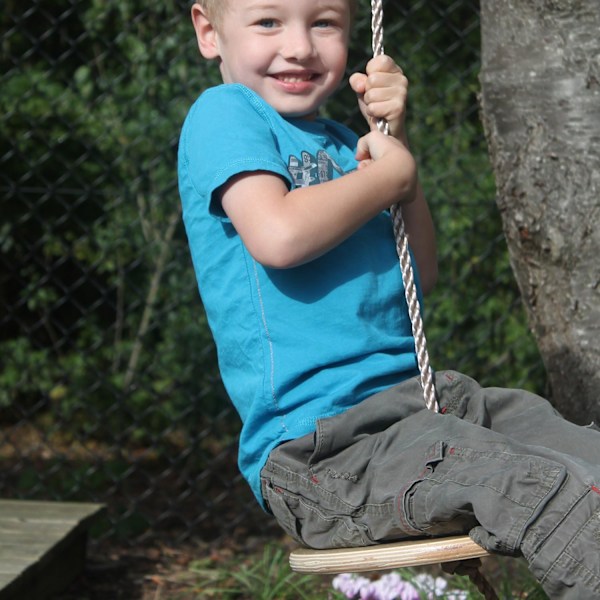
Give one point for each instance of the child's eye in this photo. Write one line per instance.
(322, 23)
(267, 23)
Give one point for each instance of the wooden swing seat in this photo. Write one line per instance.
(384, 557)
(459, 550)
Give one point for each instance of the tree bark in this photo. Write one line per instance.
(540, 104)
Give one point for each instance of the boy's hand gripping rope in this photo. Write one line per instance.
(402, 247)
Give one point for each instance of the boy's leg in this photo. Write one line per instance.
(562, 542)
(518, 414)
(389, 469)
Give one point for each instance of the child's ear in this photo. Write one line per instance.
(206, 34)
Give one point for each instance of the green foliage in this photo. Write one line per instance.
(26, 375)
(474, 320)
(266, 575)
(105, 330)
(102, 287)
(263, 577)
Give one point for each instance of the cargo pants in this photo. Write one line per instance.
(499, 464)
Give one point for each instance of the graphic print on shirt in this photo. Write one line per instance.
(310, 170)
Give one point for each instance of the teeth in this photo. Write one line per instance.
(290, 79)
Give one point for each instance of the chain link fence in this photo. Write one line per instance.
(109, 389)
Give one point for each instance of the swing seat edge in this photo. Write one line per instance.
(388, 556)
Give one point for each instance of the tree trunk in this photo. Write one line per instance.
(540, 104)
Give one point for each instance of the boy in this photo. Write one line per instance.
(295, 260)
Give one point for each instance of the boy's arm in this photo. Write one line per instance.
(420, 232)
(382, 94)
(283, 228)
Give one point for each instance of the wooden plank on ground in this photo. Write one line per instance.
(42, 546)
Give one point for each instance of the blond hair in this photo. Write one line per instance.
(215, 9)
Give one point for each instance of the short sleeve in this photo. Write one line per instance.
(228, 131)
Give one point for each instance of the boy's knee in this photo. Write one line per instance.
(563, 545)
(486, 487)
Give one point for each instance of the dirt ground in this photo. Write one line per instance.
(143, 570)
(162, 568)
(125, 574)
(166, 571)
(151, 572)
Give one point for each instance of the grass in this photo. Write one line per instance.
(267, 576)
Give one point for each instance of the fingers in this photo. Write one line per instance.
(385, 103)
(382, 64)
(358, 83)
(382, 92)
(381, 72)
(386, 92)
(385, 85)
(375, 145)
(381, 80)
(362, 150)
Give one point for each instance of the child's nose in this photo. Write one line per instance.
(299, 44)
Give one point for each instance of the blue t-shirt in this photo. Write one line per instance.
(294, 345)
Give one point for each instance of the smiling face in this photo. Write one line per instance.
(292, 53)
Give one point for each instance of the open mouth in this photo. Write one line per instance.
(296, 77)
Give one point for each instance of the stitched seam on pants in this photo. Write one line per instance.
(403, 519)
(464, 456)
(569, 562)
(538, 539)
(334, 501)
(580, 566)
(545, 474)
(456, 393)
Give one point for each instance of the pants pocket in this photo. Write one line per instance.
(311, 525)
(490, 490)
(276, 501)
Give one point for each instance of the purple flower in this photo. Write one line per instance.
(393, 587)
(350, 584)
(437, 588)
(389, 587)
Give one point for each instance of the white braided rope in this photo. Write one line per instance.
(408, 278)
